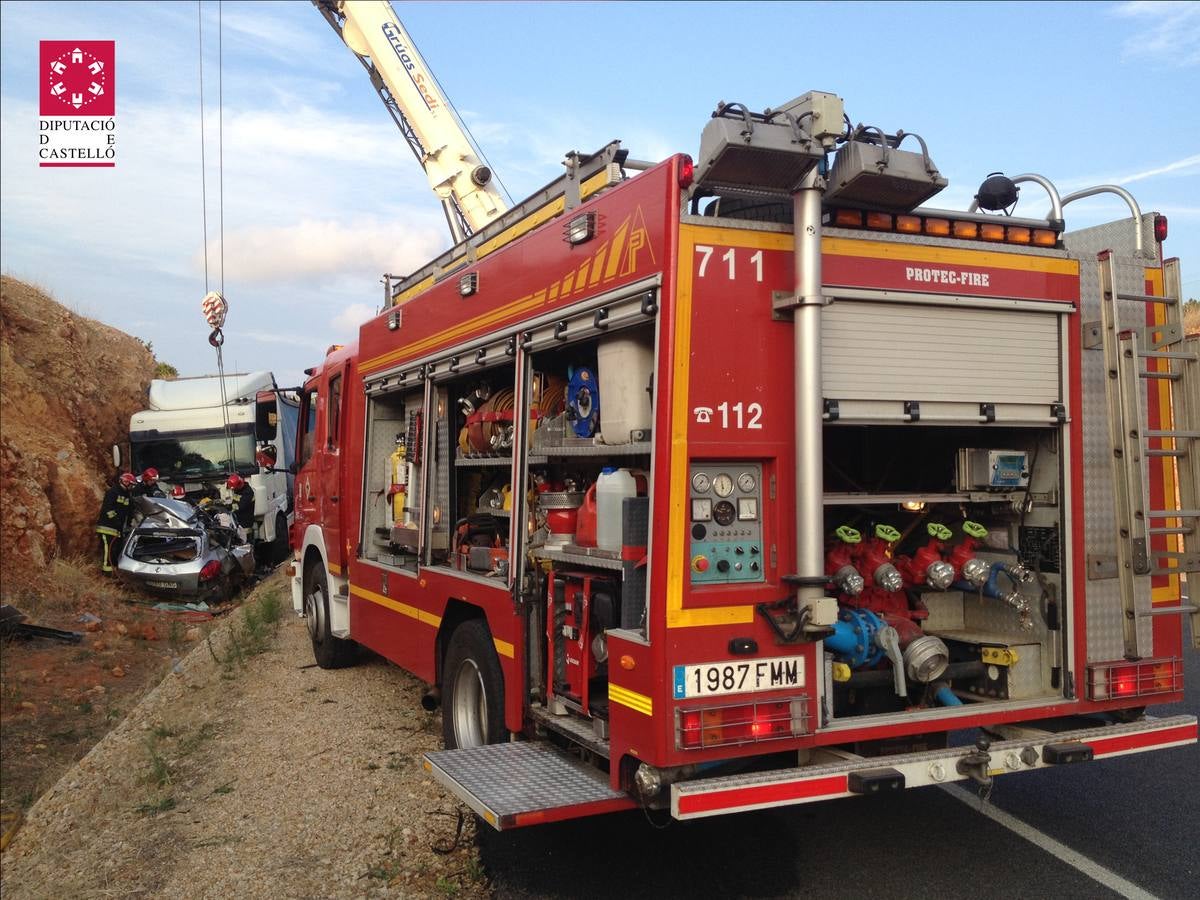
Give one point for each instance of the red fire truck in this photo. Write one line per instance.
(720, 486)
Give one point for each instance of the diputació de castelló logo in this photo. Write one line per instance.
(77, 93)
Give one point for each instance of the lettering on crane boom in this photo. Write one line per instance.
(402, 53)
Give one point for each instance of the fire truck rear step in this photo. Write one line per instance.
(524, 783)
(1023, 748)
(574, 728)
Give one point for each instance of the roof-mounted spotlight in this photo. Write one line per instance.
(997, 193)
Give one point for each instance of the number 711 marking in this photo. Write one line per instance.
(729, 257)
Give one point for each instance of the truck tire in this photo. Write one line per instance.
(472, 689)
(280, 547)
(329, 652)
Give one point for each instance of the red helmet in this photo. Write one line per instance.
(150, 476)
(128, 480)
(178, 492)
(236, 482)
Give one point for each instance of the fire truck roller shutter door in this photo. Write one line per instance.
(472, 689)
(328, 651)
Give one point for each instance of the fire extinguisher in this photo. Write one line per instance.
(398, 477)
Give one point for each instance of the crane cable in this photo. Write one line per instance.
(215, 306)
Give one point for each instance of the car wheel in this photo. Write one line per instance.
(472, 689)
(330, 652)
(280, 547)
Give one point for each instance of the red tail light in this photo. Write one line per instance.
(687, 171)
(745, 723)
(1121, 679)
(211, 570)
(1160, 228)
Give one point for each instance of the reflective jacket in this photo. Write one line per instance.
(114, 511)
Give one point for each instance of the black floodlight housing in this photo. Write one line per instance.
(997, 193)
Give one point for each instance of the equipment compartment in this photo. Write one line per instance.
(392, 499)
(942, 551)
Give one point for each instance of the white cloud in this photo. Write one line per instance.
(1188, 166)
(321, 249)
(1168, 31)
(290, 340)
(349, 319)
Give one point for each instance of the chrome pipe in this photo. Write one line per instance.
(810, 400)
(1124, 195)
(1056, 203)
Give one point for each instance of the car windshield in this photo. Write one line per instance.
(194, 457)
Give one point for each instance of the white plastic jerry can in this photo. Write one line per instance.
(612, 487)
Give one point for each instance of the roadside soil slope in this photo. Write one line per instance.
(251, 773)
(68, 385)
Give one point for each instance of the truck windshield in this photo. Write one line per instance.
(193, 457)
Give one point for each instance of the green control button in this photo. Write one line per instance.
(848, 535)
(974, 529)
(887, 533)
(939, 531)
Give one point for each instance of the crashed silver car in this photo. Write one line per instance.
(178, 550)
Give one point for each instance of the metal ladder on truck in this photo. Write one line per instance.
(1152, 353)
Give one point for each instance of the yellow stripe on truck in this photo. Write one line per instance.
(635, 701)
(412, 612)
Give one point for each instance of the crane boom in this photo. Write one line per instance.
(407, 88)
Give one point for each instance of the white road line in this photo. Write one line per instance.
(1060, 851)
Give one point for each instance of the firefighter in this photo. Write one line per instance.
(243, 501)
(114, 514)
(148, 486)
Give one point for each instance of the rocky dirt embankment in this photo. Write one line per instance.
(249, 772)
(68, 385)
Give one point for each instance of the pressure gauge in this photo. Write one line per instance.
(723, 485)
(701, 509)
(701, 482)
(746, 483)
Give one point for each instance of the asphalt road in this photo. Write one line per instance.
(1137, 816)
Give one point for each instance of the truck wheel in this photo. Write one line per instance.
(472, 689)
(280, 547)
(330, 652)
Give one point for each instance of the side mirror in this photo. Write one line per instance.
(116, 456)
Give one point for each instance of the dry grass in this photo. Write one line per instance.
(66, 585)
(1191, 317)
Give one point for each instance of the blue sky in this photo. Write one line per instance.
(322, 194)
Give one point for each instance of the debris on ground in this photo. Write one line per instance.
(13, 625)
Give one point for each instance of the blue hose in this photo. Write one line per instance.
(947, 697)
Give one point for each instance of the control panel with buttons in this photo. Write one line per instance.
(725, 519)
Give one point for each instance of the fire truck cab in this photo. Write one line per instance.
(732, 484)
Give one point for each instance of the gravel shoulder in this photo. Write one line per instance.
(250, 772)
